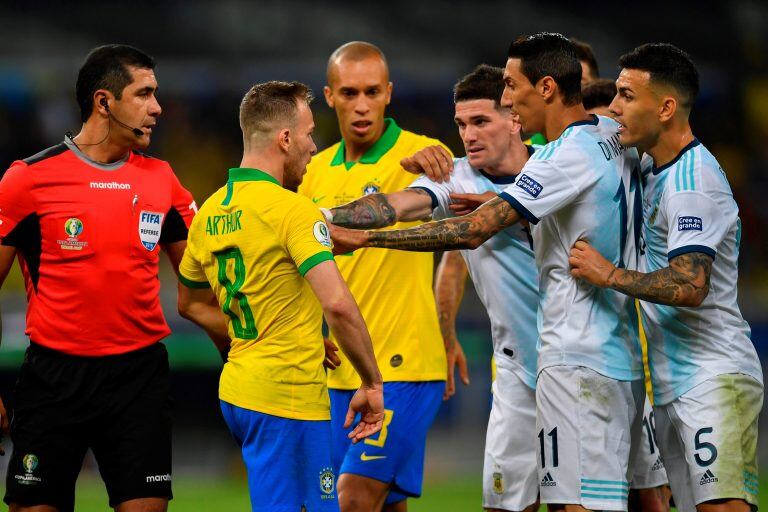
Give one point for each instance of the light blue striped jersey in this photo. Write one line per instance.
(583, 186)
(503, 271)
(688, 207)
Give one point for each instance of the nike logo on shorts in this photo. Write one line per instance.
(364, 457)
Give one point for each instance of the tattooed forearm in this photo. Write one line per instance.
(684, 283)
(467, 232)
(371, 211)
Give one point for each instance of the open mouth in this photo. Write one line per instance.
(361, 127)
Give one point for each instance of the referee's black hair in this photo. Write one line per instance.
(667, 64)
(550, 54)
(106, 67)
(483, 83)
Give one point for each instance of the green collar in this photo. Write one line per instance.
(375, 152)
(247, 174)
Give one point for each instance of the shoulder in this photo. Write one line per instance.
(414, 142)
(46, 154)
(697, 170)
(151, 163)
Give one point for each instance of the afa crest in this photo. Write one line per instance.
(498, 483)
(327, 481)
(370, 188)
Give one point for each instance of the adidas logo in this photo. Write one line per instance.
(708, 478)
(548, 481)
(657, 465)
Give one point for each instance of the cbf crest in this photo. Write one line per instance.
(327, 483)
(150, 227)
(370, 188)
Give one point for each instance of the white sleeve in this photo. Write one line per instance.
(694, 223)
(440, 194)
(543, 188)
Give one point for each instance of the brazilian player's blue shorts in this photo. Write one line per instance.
(288, 461)
(396, 454)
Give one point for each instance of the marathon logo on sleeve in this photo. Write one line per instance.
(688, 223)
(150, 227)
(530, 185)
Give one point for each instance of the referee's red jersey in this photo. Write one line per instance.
(88, 238)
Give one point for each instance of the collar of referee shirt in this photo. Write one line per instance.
(249, 174)
(375, 152)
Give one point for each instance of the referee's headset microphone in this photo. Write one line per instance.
(135, 131)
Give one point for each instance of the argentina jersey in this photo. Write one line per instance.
(582, 185)
(688, 207)
(503, 271)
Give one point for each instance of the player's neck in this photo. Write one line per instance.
(669, 143)
(560, 116)
(514, 161)
(264, 163)
(95, 142)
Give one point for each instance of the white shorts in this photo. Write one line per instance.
(586, 425)
(510, 475)
(708, 437)
(649, 469)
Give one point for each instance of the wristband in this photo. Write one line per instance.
(327, 213)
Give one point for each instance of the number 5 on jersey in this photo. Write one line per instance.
(244, 328)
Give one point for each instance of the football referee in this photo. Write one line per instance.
(87, 219)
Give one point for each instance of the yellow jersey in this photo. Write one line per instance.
(252, 242)
(392, 288)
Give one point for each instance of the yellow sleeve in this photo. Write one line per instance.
(306, 236)
(191, 272)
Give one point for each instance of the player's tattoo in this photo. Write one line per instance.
(684, 282)
(467, 232)
(371, 211)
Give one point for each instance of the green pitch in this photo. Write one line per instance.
(455, 494)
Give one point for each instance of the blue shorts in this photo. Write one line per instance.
(288, 461)
(396, 454)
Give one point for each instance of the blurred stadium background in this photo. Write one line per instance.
(209, 53)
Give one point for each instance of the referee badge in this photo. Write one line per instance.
(327, 483)
(150, 226)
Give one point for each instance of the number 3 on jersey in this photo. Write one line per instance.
(245, 328)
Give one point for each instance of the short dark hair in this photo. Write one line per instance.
(483, 83)
(106, 67)
(270, 102)
(550, 54)
(599, 93)
(668, 65)
(585, 54)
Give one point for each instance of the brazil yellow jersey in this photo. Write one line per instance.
(392, 288)
(252, 242)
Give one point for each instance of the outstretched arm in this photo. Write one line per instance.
(467, 232)
(381, 210)
(684, 283)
